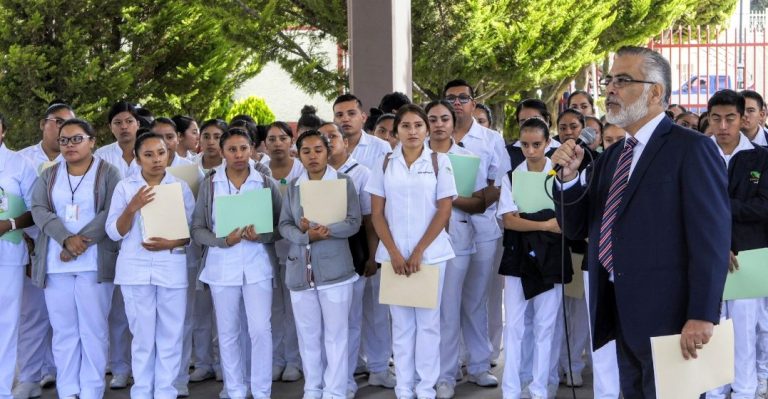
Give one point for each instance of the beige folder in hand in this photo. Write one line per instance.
(324, 201)
(418, 290)
(188, 173)
(677, 378)
(165, 217)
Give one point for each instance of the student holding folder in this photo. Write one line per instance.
(747, 166)
(320, 273)
(531, 264)
(412, 192)
(75, 259)
(151, 272)
(17, 175)
(239, 269)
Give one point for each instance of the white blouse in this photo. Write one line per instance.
(17, 176)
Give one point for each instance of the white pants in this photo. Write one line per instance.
(202, 330)
(495, 301)
(416, 346)
(257, 300)
(474, 305)
(119, 336)
(377, 329)
(355, 329)
(526, 351)
(189, 319)
(79, 306)
(156, 319)
(762, 338)
(11, 287)
(450, 319)
(545, 307)
(578, 334)
(605, 368)
(285, 342)
(743, 312)
(35, 358)
(322, 323)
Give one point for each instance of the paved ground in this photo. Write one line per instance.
(210, 390)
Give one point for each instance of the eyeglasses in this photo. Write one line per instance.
(620, 81)
(64, 141)
(57, 121)
(463, 98)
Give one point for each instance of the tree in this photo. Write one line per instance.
(171, 56)
(506, 48)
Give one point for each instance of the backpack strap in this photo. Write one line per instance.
(386, 162)
(346, 172)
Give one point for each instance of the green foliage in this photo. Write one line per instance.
(172, 56)
(254, 106)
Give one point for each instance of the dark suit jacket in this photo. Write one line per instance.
(671, 237)
(748, 190)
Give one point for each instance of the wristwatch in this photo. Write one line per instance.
(13, 223)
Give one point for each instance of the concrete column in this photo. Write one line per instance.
(379, 48)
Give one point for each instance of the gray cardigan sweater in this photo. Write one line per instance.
(330, 259)
(51, 226)
(202, 221)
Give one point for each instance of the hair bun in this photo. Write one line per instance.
(308, 110)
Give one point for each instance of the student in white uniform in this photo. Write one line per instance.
(189, 136)
(369, 150)
(412, 192)
(151, 273)
(75, 260)
(320, 274)
(35, 362)
(481, 295)
(533, 276)
(362, 245)
(286, 364)
(442, 120)
(17, 175)
(123, 122)
(239, 269)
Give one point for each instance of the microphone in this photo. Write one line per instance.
(586, 138)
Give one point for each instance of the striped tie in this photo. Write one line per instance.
(615, 194)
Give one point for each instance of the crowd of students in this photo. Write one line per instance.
(303, 301)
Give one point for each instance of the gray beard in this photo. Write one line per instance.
(632, 113)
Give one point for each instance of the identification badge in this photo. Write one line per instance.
(4, 205)
(71, 213)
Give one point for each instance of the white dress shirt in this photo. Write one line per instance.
(135, 264)
(370, 150)
(744, 145)
(359, 175)
(113, 154)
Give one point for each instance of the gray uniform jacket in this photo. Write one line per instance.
(329, 261)
(202, 221)
(51, 226)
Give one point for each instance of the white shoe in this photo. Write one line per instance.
(383, 379)
(291, 374)
(27, 390)
(574, 380)
(484, 379)
(119, 381)
(200, 375)
(444, 391)
(762, 388)
(48, 381)
(182, 390)
(277, 372)
(71, 397)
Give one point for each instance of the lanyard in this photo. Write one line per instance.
(73, 191)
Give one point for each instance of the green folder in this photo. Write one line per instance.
(465, 173)
(240, 210)
(751, 280)
(528, 191)
(16, 208)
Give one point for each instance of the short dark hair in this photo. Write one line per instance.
(163, 121)
(574, 112)
(346, 98)
(385, 117)
(533, 103)
(142, 138)
(232, 132)
(445, 104)
(87, 128)
(393, 101)
(282, 126)
(56, 107)
(182, 123)
(145, 116)
(703, 122)
(536, 124)
(120, 107)
(250, 127)
(219, 123)
(751, 94)
(459, 83)
(313, 133)
(583, 93)
(684, 114)
(410, 109)
(487, 111)
(727, 97)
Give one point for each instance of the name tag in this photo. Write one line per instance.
(71, 213)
